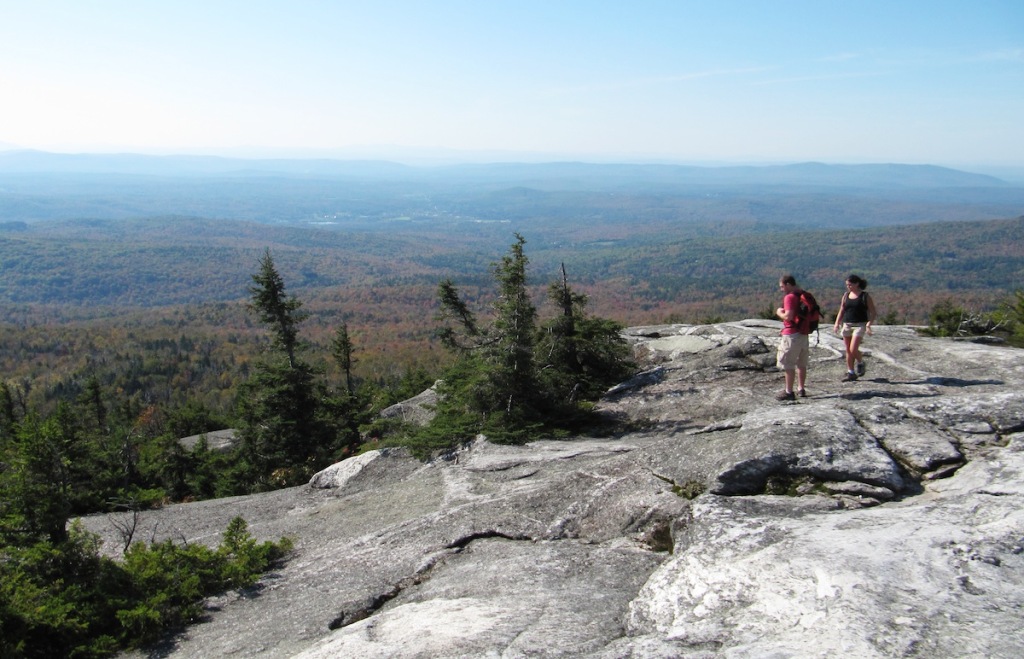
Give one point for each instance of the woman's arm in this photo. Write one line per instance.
(871, 310)
(839, 314)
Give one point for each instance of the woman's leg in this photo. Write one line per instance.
(853, 351)
(850, 361)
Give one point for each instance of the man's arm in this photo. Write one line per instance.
(787, 311)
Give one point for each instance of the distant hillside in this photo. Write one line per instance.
(554, 198)
(86, 295)
(571, 175)
(175, 260)
(583, 175)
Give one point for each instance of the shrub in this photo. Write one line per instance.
(65, 600)
(949, 319)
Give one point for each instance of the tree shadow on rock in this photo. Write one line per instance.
(956, 382)
(168, 646)
(880, 393)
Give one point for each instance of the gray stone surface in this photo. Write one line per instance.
(880, 518)
(216, 440)
(418, 410)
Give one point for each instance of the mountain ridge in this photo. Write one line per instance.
(805, 173)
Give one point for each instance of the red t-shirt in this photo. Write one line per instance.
(791, 301)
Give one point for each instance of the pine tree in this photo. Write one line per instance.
(342, 351)
(275, 308)
(580, 356)
(282, 434)
(8, 415)
(345, 408)
(493, 386)
(48, 474)
(512, 378)
(514, 331)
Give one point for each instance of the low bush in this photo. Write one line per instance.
(66, 600)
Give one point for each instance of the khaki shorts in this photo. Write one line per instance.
(793, 351)
(855, 329)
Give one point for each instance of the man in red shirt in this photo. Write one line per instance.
(794, 347)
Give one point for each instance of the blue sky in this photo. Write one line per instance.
(925, 81)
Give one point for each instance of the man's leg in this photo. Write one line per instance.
(790, 373)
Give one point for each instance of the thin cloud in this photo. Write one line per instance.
(661, 80)
(827, 76)
(841, 57)
(1005, 55)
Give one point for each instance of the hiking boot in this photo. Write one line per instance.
(784, 396)
(850, 377)
(803, 393)
(861, 369)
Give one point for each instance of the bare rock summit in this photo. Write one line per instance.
(877, 518)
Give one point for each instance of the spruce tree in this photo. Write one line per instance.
(513, 378)
(493, 386)
(342, 351)
(48, 477)
(514, 331)
(346, 408)
(274, 308)
(283, 438)
(579, 356)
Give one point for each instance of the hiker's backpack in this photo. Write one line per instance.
(808, 314)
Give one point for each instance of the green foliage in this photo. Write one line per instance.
(949, 319)
(275, 309)
(690, 489)
(512, 378)
(579, 356)
(288, 428)
(493, 387)
(47, 477)
(791, 485)
(65, 600)
(60, 599)
(891, 317)
(282, 437)
(194, 418)
(1010, 316)
(342, 350)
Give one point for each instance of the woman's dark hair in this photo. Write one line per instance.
(788, 279)
(861, 283)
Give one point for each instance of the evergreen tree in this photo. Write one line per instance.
(91, 399)
(493, 387)
(8, 415)
(282, 436)
(512, 378)
(346, 409)
(342, 350)
(514, 332)
(48, 478)
(274, 308)
(580, 356)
